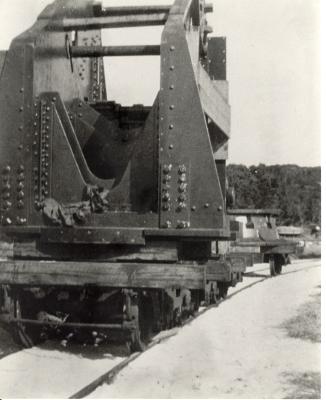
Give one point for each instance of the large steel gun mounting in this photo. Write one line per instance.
(84, 162)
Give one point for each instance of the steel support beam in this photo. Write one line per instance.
(136, 10)
(114, 51)
(213, 102)
(124, 21)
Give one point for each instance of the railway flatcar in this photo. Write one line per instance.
(111, 209)
(256, 237)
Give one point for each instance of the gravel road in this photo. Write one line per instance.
(238, 350)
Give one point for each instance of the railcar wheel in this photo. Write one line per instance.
(278, 264)
(23, 334)
(223, 288)
(272, 266)
(136, 343)
(139, 309)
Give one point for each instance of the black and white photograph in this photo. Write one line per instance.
(160, 199)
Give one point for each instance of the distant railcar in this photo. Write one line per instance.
(257, 239)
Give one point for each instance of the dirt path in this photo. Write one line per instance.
(238, 350)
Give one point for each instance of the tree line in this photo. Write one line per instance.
(295, 190)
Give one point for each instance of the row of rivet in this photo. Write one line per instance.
(95, 74)
(171, 106)
(83, 61)
(166, 198)
(6, 188)
(21, 117)
(42, 152)
(182, 193)
(20, 197)
(36, 147)
(44, 149)
(7, 200)
(167, 168)
(182, 188)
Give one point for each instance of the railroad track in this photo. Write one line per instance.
(258, 275)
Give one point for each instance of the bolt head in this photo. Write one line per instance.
(182, 169)
(182, 178)
(168, 224)
(167, 178)
(166, 196)
(7, 204)
(182, 187)
(167, 168)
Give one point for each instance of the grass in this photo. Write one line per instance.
(306, 324)
(307, 385)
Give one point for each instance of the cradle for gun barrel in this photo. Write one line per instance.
(115, 196)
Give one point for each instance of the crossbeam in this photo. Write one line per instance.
(116, 21)
(136, 10)
(114, 51)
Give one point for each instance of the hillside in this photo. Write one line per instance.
(295, 190)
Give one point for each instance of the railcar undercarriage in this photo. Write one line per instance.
(94, 313)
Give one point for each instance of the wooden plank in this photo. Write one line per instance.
(155, 275)
(154, 251)
(244, 249)
(189, 233)
(283, 249)
(101, 274)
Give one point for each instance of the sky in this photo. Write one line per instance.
(272, 66)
